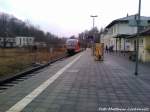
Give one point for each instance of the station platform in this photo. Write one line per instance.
(79, 84)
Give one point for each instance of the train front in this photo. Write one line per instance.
(72, 46)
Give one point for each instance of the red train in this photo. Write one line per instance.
(73, 46)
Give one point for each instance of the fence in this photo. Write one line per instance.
(13, 60)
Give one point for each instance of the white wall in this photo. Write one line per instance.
(106, 39)
(24, 41)
(122, 28)
(132, 46)
(126, 29)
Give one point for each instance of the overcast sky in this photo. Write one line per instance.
(70, 17)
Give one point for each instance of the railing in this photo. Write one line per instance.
(14, 60)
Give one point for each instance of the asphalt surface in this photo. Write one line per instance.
(80, 84)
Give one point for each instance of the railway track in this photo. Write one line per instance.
(15, 79)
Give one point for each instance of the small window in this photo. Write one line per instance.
(142, 41)
(20, 41)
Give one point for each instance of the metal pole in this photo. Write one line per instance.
(124, 46)
(93, 30)
(137, 38)
(93, 22)
(116, 45)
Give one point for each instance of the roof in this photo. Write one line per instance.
(145, 32)
(121, 36)
(126, 19)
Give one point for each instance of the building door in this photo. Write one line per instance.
(134, 45)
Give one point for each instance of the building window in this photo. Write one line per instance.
(27, 40)
(142, 41)
(20, 41)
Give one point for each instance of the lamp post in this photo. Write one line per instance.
(93, 16)
(137, 38)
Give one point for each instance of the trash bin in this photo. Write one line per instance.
(99, 51)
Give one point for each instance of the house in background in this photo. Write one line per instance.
(118, 30)
(10, 42)
(24, 41)
(144, 44)
(7, 42)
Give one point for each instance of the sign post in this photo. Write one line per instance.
(137, 23)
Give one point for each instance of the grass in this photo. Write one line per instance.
(17, 59)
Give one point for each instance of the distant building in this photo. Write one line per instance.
(7, 42)
(24, 41)
(116, 32)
